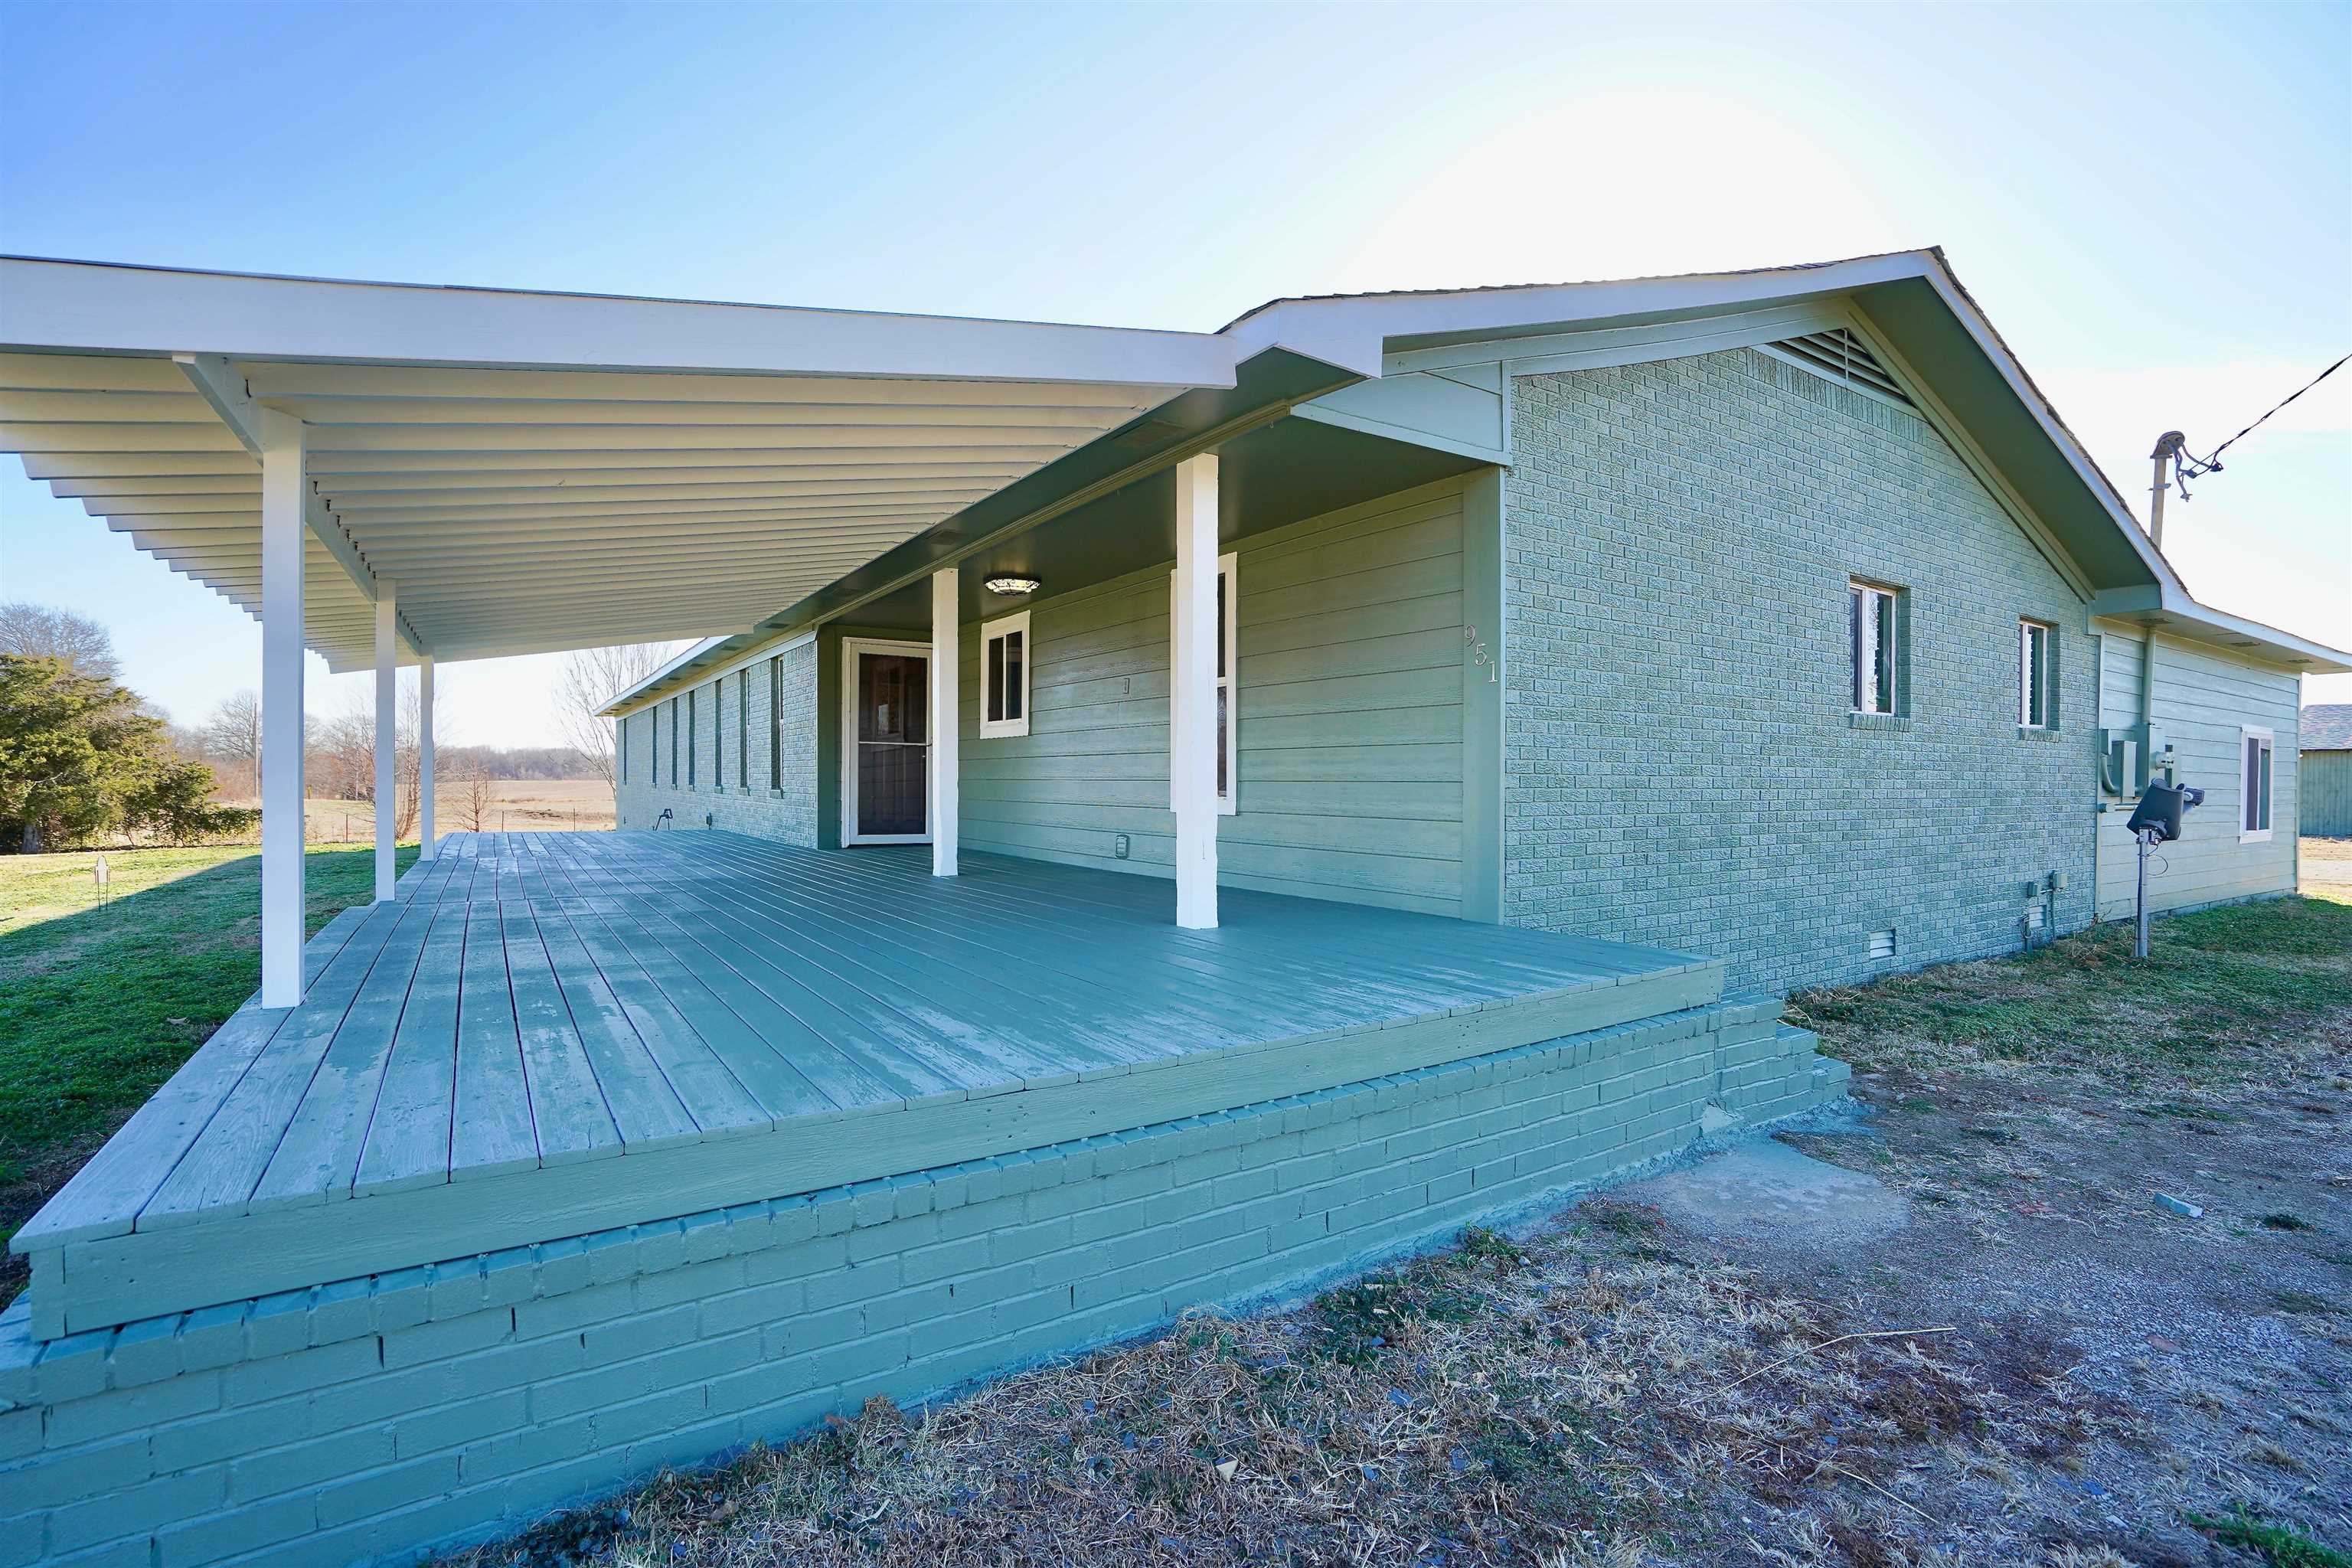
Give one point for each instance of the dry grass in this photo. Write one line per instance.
(517, 805)
(1580, 1397)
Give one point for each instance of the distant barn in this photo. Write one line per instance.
(2327, 747)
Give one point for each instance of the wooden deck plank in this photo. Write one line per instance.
(569, 1111)
(491, 1124)
(646, 1105)
(407, 1139)
(717, 1100)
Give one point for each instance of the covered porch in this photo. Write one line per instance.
(550, 1035)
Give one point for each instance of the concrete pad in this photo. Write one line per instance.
(1766, 1191)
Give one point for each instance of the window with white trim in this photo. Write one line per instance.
(2037, 675)
(1005, 662)
(2254, 749)
(1228, 737)
(1875, 622)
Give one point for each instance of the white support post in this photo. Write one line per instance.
(283, 535)
(387, 742)
(947, 794)
(1192, 733)
(425, 848)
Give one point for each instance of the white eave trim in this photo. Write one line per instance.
(104, 308)
(2169, 608)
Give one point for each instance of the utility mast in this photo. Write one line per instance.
(2167, 450)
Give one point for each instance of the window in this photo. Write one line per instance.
(743, 727)
(2254, 807)
(693, 739)
(2037, 676)
(776, 724)
(719, 735)
(1876, 628)
(1228, 743)
(620, 743)
(1004, 661)
(672, 742)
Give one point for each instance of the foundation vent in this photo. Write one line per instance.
(1842, 355)
(1879, 944)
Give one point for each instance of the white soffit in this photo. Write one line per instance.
(536, 472)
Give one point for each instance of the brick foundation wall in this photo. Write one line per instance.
(378, 1417)
(1680, 764)
(781, 806)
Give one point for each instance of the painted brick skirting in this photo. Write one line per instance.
(375, 1418)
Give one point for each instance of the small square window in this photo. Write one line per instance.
(1874, 626)
(2254, 787)
(2037, 675)
(1004, 663)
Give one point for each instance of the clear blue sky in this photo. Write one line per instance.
(2153, 203)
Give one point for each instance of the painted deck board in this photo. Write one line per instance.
(552, 1033)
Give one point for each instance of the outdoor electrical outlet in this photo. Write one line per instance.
(1118, 845)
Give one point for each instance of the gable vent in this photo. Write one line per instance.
(1840, 356)
(1879, 944)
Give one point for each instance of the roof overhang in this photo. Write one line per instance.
(534, 472)
(2168, 608)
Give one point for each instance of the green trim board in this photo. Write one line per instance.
(1484, 676)
(716, 991)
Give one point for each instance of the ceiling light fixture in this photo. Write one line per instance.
(1015, 585)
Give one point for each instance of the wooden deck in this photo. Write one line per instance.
(549, 1034)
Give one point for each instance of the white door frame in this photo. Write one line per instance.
(850, 648)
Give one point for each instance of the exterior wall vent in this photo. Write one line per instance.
(1880, 945)
(1842, 355)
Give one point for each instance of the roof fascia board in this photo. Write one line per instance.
(100, 308)
(713, 659)
(1988, 342)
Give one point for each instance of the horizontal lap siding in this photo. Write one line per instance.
(1349, 644)
(2202, 699)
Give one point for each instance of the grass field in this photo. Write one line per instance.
(518, 805)
(99, 1006)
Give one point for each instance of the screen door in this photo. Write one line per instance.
(888, 795)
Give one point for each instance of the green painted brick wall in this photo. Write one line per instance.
(1680, 767)
(376, 1418)
(780, 804)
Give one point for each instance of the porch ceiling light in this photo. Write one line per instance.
(1017, 587)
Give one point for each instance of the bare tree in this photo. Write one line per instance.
(232, 741)
(594, 676)
(478, 796)
(37, 631)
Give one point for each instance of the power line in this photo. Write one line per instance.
(2191, 467)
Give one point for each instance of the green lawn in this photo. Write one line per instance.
(99, 1006)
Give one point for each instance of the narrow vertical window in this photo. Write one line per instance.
(2254, 807)
(743, 727)
(776, 724)
(1004, 663)
(719, 735)
(621, 728)
(2035, 674)
(1874, 629)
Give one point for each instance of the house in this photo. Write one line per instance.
(1402, 748)
(2324, 758)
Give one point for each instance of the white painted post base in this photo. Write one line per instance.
(1192, 731)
